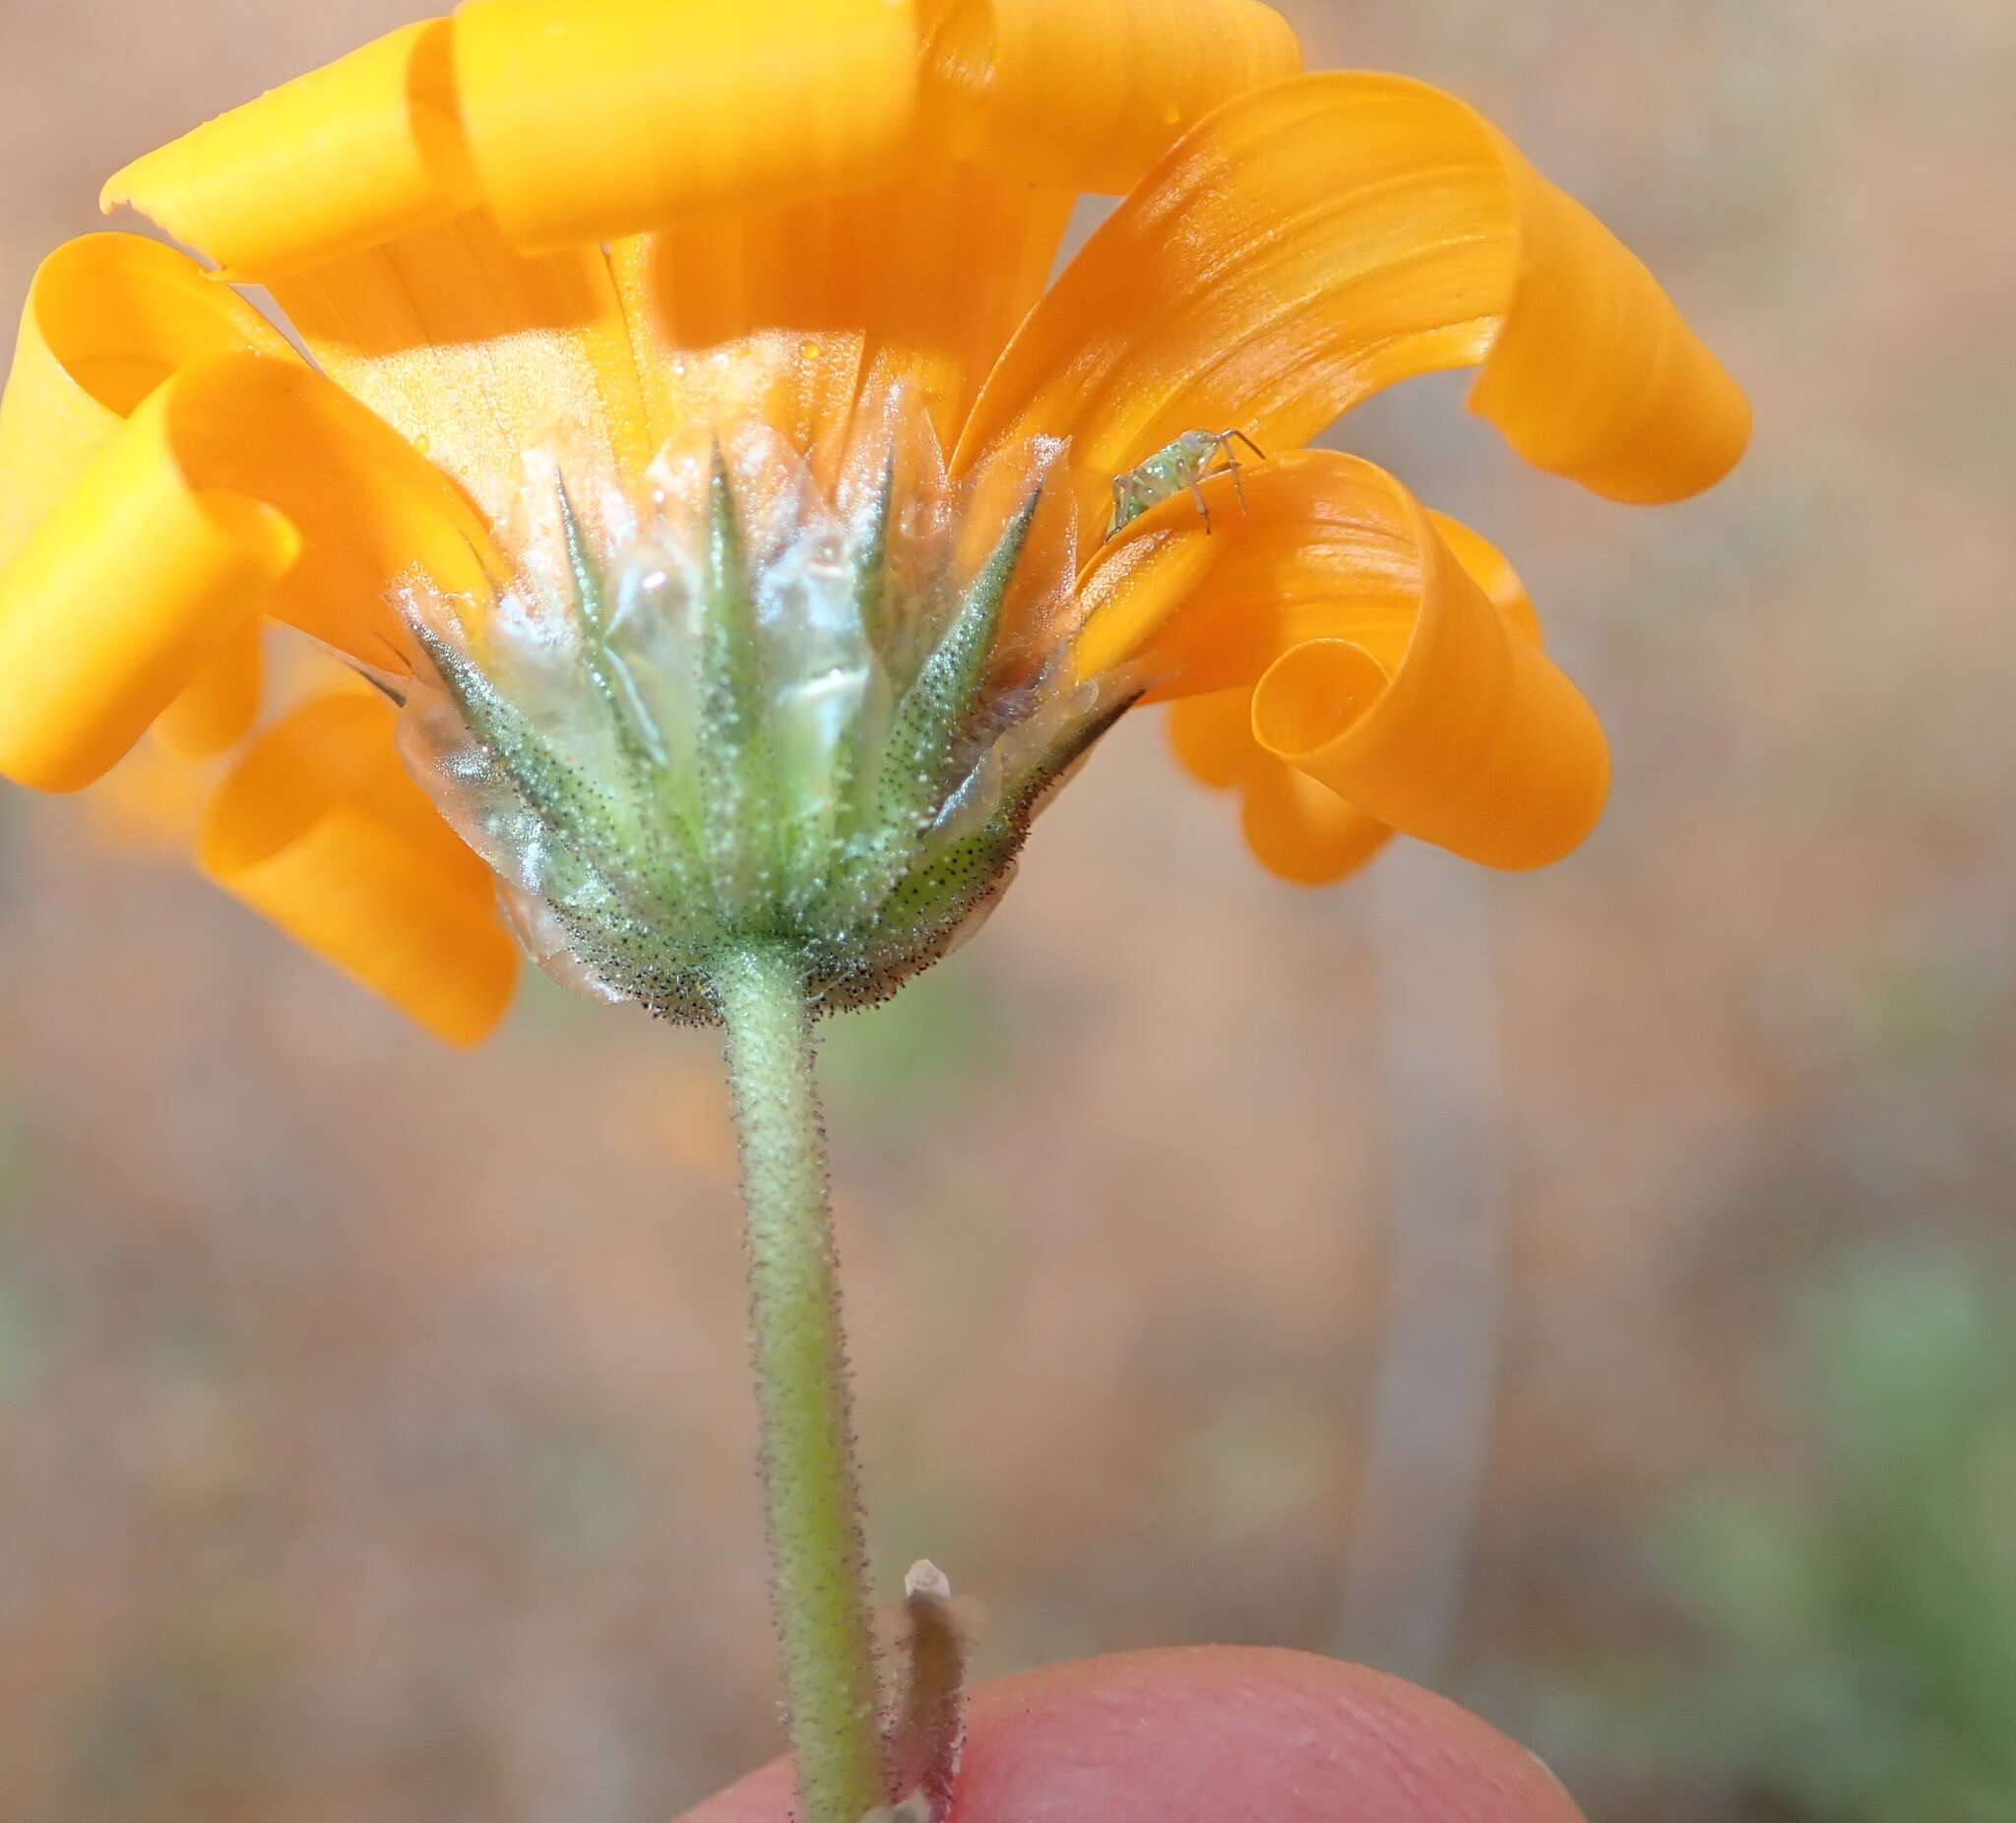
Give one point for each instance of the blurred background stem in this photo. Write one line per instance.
(812, 1507)
(1436, 1392)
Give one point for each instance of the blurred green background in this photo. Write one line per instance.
(1589, 1291)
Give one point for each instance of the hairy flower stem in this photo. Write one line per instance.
(812, 1509)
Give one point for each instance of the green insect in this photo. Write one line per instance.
(1197, 456)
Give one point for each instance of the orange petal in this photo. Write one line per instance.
(108, 318)
(151, 800)
(1377, 665)
(1136, 595)
(122, 594)
(241, 482)
(319, 828)
(755, 318)
(590, 118)
(479, 354)
(368, 507)
(1315, 550)
(567, 120)
(918, 281)
(923, 278)
(1088, 96)
(1491, 570)
(1323, 237)
(1213, 738)
(1298, 829)
(371, 511)
(963, 253)
(1453, 726)
(349, 156)
(220, 704)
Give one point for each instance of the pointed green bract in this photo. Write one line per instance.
(746, 717)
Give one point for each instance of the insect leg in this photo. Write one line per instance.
(1197, 494)
(1230, 468)
(1120, 513)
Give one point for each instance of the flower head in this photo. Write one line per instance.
(740, 537)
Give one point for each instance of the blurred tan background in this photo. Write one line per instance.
(1378, 1270)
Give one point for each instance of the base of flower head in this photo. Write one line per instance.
(757, 710)
(606, 954)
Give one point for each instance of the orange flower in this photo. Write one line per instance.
(534, 249)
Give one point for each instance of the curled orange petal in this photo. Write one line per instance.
(153, 800)
(369, 510)
(1303, 546)
(1315, 241)
(1376, 663)
(1491, 570)
(1296, 828)
(1212, 737)
(121, 595)
(1088, 97)
(564, 120)
(108, 317)
(319, 829)
(1456, 728)
(220, 703)
(364, 149)
(1300, 830)
(588, 119)
(241, 483)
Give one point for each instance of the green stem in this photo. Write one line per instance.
(812, 1511)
